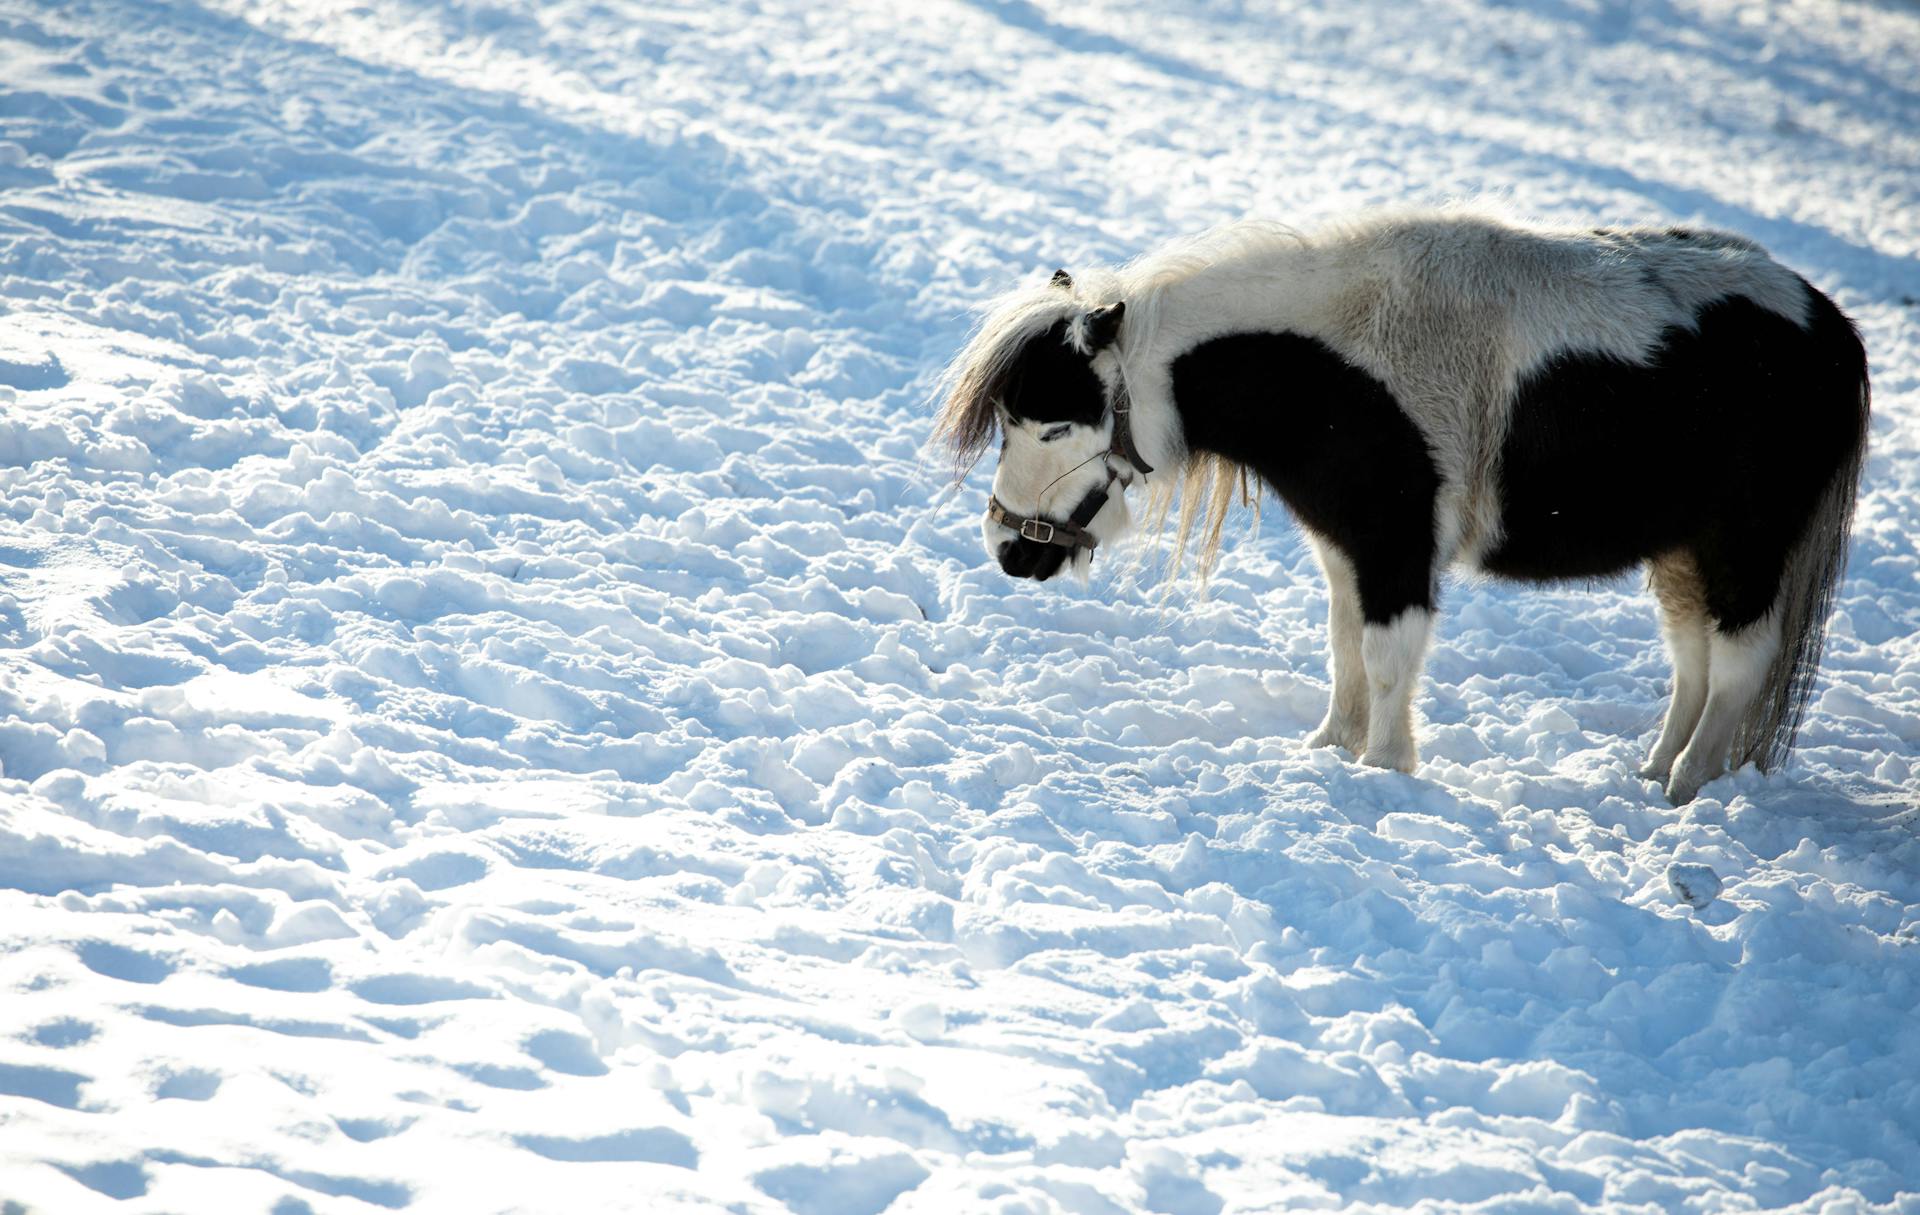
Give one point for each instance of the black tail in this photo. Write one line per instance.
(1766, 735)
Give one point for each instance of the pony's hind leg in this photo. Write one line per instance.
(1394, 653)
(1737, 667)
(1346, 721)
(1683, 619)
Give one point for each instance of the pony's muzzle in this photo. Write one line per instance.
(1021, 558)
(1038, 547)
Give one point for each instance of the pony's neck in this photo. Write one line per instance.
(1269, 286)
(1283, 405)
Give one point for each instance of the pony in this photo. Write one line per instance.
(1434, 388)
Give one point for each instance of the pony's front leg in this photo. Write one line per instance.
(1394, 652)
(1346, 721)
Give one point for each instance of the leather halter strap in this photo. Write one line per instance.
(1122, 445)
(1074, 533)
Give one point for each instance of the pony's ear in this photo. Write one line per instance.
(1103, 324)
(1062, 279)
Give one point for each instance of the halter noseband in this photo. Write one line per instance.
(1073, 534)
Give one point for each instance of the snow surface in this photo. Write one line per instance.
(499, 712)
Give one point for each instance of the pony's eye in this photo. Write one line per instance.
(1055, 432)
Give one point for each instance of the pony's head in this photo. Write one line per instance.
(1044, 372)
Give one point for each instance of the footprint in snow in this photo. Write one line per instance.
(495, 1075)
(569, 1054)
(118, 1179)
(120, 962)
(53, 1085)
(656, 1145)
(417, 989)
(191, 1084)
(366, 1130)
(286, 974)
(845, 1183)
(65, 1032)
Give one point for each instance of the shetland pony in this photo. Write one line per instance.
(1432, 388)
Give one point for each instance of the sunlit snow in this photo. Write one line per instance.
(499, 712)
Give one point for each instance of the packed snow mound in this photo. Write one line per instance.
(498, 712)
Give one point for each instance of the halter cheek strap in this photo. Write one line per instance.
(1074, 533)
(1123, 432)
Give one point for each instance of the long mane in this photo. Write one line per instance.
(973, 384)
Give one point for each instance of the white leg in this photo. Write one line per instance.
(1346, 722)
(1394, 653)
(1736, 670)
(1687, 645)
(1683, 620)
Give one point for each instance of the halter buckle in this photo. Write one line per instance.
(1030, 530)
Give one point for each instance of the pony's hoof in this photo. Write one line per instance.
(1332, 734)
(1687, 779)
(1656, 770)
(1400, 759)
(1685, 786)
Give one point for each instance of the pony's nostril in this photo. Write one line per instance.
(1047, 560)
(1014, 560)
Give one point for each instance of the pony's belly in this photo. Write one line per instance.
(1568, 554)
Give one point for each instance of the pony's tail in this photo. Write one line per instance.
(1765, 736)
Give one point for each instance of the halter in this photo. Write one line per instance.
(1073, 534)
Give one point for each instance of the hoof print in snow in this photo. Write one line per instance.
(842, 1176)
(1694, 885)
(32, 375)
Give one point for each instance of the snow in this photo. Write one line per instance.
(1694, 885)
(499, 713)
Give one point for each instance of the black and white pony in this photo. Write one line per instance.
(1427, 388)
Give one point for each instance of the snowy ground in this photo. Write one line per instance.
(498, 713)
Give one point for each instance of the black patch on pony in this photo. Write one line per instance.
(1051, 381)
(1719, 446)
(1332, 442)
